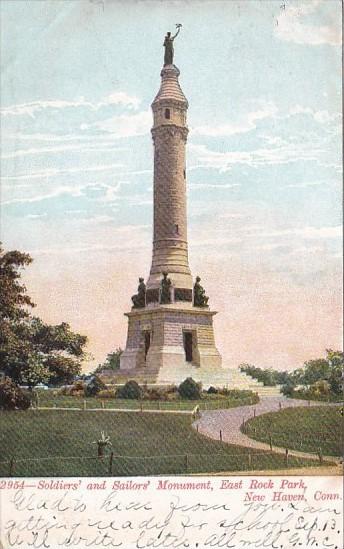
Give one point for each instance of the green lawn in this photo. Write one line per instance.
(47, 398)
(147, 443)
(304, 429)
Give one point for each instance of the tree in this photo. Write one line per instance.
(112, 361)
(14, 300)
(31, 351)
(336, 364)
(316, 370)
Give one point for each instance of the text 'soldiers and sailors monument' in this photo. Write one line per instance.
(170, 326)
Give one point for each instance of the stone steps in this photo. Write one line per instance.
(221, 377)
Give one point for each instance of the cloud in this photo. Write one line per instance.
(307, 232)
(245, 124)
(292, 25)
(322, 117)
(223, 161)
(81, 147)
(52, 172)
(59, 191)
(34, 107)
(124, 125)
(213, 185)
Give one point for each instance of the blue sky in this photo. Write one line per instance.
(263, 163)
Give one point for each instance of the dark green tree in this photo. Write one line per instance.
(316, 370)
(31, 351)
(336, 364)
(112, 362)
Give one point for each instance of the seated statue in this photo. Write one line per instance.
(139, 299)
(165, 289)
(200, 299)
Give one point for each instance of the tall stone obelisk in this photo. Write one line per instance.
(170, 328)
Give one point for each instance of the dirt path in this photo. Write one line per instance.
(229, 422)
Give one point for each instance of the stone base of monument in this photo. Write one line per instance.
(168, 343)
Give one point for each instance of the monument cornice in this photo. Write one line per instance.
(170, 130)
(169, 102)
(194, 311)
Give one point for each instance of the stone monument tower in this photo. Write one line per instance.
(170, 326)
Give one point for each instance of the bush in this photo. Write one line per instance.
(78, 394)
(190, 389)
(94, 386)
(212, 391)
(106, 393)
(76, 388)
(288, 389)
(13, 397)
(168, 392)
(131, 390)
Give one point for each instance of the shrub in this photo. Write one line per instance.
(78, 393)
(13, 397)
(153, 394)
(76, 388)
(94, 386)
(131, 390)
(212, 390)
(64, 390)
(288, 389)
(106, 393)
(190, 389)
(168, 392)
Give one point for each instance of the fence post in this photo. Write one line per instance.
(280, 405)
(186, 463)
(320, 455)
(301, 440)
(220, 435)
(11, 467)
(249, 460)
(103, 404)
(110, 463)
(309, 403)
(270, 442)
(141, 407)
(197, 427)
(254, 413)
(287, 457)
(85, 405)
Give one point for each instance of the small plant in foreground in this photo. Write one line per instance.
(102, 443)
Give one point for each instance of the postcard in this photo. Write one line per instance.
(171, 360)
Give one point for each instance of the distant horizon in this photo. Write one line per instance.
(264, 167)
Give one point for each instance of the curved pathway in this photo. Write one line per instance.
(229, 422)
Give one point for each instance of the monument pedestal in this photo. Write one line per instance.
(169, 343)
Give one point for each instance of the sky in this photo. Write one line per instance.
(264, 165)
